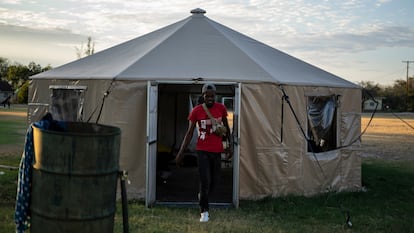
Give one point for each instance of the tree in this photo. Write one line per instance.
(395, 95)
(34, 68)
(410, 97)
(4, 65)
(89, 50)
(373, 89)
(23, 92)
(17, 74)
(46, 68)
(370, 90)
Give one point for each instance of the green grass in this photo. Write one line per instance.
(12, 132)
(12, 129)
(386, 206)
(8, 185)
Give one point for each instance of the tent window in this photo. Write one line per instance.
(67, 102)
(322, 123)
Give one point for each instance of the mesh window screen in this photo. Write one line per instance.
(322, 123)
(67, 103)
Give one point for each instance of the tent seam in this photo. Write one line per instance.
(212, 23)
(183, 22)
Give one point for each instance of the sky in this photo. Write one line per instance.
(358, 40)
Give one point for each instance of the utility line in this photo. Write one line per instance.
(406, 96)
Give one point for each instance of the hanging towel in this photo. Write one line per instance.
(22, 212)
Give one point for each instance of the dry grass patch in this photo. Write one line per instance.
(389, 136)
(389, 124)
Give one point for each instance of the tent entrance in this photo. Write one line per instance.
(180, 185)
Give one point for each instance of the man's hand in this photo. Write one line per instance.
(229, 150)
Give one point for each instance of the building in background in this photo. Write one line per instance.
(6, 93)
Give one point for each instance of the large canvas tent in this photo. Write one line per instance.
(296, 127)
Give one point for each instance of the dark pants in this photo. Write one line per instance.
(209, 167)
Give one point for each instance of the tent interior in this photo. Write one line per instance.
(180, 185)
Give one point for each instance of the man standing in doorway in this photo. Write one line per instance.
(209, 145)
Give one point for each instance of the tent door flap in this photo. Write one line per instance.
(151, 168)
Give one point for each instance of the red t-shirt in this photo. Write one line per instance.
(207, 139)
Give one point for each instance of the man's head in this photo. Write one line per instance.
(209, 93)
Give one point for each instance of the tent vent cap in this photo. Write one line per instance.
(198, 11)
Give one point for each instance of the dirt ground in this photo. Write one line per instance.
(389, 136)
(13, 114)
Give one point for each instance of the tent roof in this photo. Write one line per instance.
(195, 47)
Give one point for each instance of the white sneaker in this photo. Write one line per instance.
(204, 217)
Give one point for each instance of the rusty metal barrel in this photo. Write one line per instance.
(75, 178)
